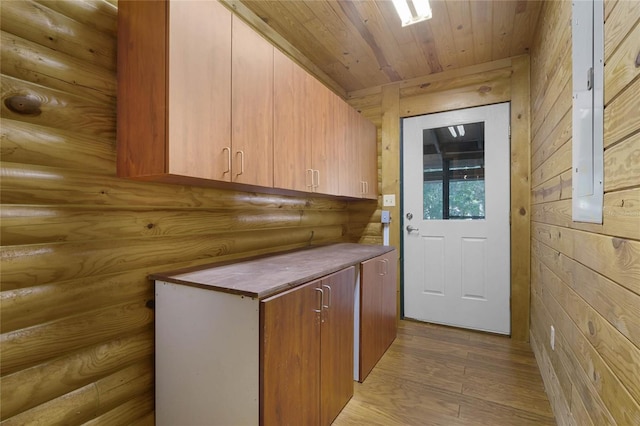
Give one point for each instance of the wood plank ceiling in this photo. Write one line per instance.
(361, 44)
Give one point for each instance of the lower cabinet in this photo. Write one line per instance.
(378, 302)
(306, 346)
(227, 359)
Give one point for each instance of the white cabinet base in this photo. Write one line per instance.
(207, 368)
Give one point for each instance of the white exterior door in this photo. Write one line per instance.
(456, 218)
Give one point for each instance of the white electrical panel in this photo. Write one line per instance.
(587, 25)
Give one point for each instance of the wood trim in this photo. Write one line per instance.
(432, 78)
(479, 94)
(520, 198)
(390, 170)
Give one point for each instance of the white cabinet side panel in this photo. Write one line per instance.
(207, 357)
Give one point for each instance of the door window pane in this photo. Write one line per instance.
(453, 172)
(432, 200)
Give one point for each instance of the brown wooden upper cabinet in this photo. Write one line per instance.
(320, 143)
(291, 127)
(306, 147)
(359, 164)
(174, 95)
(252, 107)
(368, 159)
(203, 99)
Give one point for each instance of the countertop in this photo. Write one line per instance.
(269, 275)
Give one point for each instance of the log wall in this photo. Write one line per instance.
(78, 242)
(585, 277)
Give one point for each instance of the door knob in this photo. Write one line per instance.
(411, 228)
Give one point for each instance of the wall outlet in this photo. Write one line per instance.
(389, 200)
(552, 338)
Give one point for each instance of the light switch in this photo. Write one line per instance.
(389, 200)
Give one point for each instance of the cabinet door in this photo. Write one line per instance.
(350, 184)
(389, 327)
(371, 314)
(290, 126)
(369, 158)
(252, 106)
(378, 301)
(336, 144)
(337, 344)
(199, 85)
(323, 145)
(290, 357)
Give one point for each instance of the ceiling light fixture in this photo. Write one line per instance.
(420, 10)
(452, 130)
(460, 129)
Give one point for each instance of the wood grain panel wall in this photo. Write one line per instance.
(484, 84)
(586, 277)
(78, 242)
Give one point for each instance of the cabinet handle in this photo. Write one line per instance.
(327, 306)
(316, 173)
(386, 266)
(226, 148)
(241, 162)
(318, 311)
(366, 187)
(310, 174)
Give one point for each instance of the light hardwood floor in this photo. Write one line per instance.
(435, 375)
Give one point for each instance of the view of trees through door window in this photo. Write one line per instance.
(453, 159)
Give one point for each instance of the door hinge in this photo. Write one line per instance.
(509, 132)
